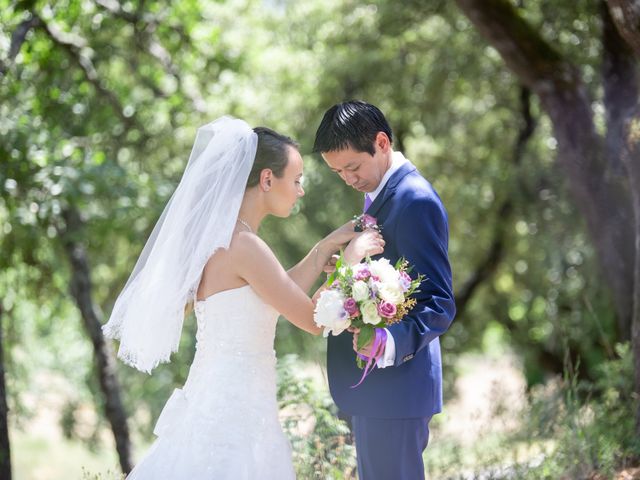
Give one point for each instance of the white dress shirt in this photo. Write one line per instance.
(397, 160)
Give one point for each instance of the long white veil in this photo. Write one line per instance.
(199, 218)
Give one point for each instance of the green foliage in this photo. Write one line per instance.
(367, 333)
(101, 117)
(568, 429)
(321, 442)
(583, 428)
(591, 424)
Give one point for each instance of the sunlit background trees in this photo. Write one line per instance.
(523, 114)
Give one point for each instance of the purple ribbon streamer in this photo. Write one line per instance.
(377, 349)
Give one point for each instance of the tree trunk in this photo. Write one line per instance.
(104, 362)
(607, 195)
(5, 451)
(602, 201)
(632, 161)
(626, 15)
(620, 82)
(623, 120)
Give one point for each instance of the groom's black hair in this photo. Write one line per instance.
(352, 124)
(271, 153)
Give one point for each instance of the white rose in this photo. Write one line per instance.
(391, 293)
(360, 291)
(370, 313)
(330, 313)
(384, 271)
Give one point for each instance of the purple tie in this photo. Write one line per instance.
(367, 202)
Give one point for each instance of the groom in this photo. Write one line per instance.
(391, 409)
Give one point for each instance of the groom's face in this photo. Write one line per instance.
(361, 170)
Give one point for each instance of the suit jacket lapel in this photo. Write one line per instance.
(389, 189)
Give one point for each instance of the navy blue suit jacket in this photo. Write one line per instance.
(414, 226)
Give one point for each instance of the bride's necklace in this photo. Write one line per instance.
(245, 224)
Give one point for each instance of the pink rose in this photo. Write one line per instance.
(369, 222)
(351, 307)
(361, 272)
(386, 309)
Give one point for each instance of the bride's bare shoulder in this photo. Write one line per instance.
(248, 246)
(248, 259)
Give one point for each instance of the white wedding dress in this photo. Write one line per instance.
(223, 424)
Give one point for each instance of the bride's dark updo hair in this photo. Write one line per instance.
(271, 153)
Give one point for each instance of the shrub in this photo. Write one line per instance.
(321, 442)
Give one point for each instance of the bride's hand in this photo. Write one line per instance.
(341, 236)
(330, 266)
(367, 243)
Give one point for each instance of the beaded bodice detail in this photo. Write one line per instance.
(235, 322)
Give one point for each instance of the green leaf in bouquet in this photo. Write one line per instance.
(366, 335)
(348, 272)
(334, 275)
(415, 284)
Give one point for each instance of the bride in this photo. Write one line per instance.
(223, 424)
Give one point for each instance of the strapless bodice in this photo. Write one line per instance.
(235, 322)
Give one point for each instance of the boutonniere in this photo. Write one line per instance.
(365, 222)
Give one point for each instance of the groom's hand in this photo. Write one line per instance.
(366, 350)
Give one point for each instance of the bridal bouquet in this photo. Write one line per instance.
(373, 294)
(368, 296)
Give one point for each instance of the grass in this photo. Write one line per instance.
(562, 430)
(567, 429)
(40, 458)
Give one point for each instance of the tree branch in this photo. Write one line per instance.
(149, 43)
(17, 39)
(626, 16)
(581, 151)
(526, 53)
(157, 50)
(81, 290)
(114, 8)
(73, 45)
